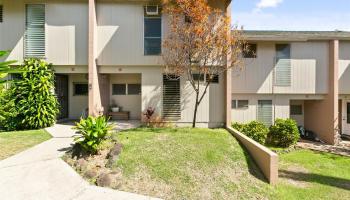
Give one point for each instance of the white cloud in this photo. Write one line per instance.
(268, 4)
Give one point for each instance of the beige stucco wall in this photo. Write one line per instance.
(280, 103)
(131, 103)
(266, 159)
(309, 62)
(76, 104)
(210, 112)
(120, 35)
(66, 30)
(322, 117)
(344, 67)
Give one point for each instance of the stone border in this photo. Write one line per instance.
(266, 159)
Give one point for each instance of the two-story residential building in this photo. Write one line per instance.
(107, 52)
(300, 75)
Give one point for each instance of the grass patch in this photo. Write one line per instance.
(187, 164)
(306, 174)
(14, 142)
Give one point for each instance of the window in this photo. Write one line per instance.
(213, 78)
(234, 104)
(250, 50)
(265, 112)
(197, 76)
(34, 45)
(80, 89)
(283, 69)
(1, 13)
(171, 98)
(119, 89)
(152, 34)
(240, 104)
(134, 89)
(296, 109)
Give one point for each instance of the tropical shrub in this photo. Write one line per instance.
(33, 96)
(7, 110)
(283, 133)
(255, 130)
(5, 68)
(92, 131)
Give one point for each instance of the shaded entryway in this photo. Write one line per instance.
(61, 91)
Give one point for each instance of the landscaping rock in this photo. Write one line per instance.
(81, 164)
(116, 150)
(91, 173)
(104, 180)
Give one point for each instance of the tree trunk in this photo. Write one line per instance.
(195, 111)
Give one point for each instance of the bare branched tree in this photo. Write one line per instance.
(201, 44)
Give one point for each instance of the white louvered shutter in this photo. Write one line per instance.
(35, 31)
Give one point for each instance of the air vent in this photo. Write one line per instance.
(152, 10)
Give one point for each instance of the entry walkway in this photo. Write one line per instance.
(39, 173)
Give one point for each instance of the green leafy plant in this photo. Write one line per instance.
(7, 110)
(283, 133)
(92, 131)
(5, 68)
(33, 96)
(255, 130)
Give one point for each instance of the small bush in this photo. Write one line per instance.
(92, 131)
(284, 133)
(255, 130)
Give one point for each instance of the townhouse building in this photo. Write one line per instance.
(300, 75)
(107, 53)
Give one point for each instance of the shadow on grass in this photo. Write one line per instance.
(316, 178)
(252, 166)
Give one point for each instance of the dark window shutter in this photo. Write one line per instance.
(1, 13)
(171, 98)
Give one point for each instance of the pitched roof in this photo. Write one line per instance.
(296, 35)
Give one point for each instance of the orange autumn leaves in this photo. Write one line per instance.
(199, 38)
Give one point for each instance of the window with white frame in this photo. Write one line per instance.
(296, 109)
(152, 30)
(126, 89)
(240, 104)
(80, 89)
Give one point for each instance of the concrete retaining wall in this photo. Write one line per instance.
(266, 159)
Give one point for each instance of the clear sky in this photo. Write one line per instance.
(308, 15)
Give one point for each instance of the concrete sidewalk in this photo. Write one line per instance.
(39, 173)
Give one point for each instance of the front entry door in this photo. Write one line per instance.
(61, 90)
(346, 117)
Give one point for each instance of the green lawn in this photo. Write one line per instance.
(210, 164)
(306, 174)
(12, 143)
(187, 164)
